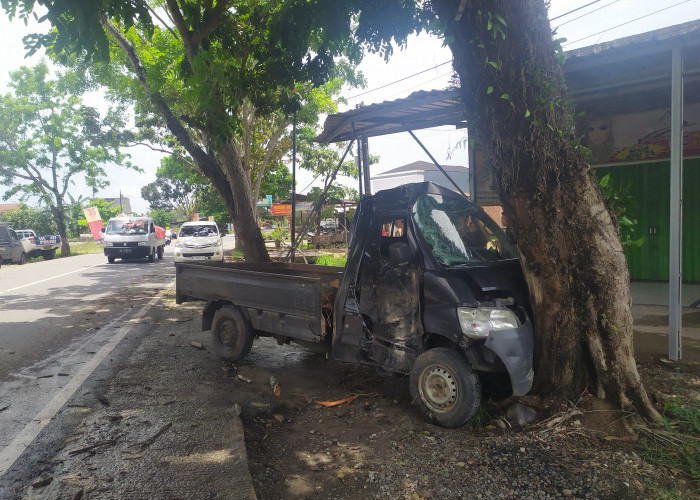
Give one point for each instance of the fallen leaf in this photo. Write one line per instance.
(244, 379)
(329, 404)
(198, 345)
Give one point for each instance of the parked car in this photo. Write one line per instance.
(329, 225)
(11, 248)
(199, 240)
(35, 246)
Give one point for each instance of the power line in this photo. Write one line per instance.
(574, 10)
(401, 80)
(416, 86)
(625, 23)
(586, 14)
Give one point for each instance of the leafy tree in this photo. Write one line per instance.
(162, 217)
(107, 209)
(41, 221)
(203, 71)
(49, 141)
(176, 188)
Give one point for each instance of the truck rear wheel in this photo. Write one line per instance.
(232, 334)
(48, 254)
(23, 259)
(444, 387)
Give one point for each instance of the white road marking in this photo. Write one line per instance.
(21, 442)
(51, 278)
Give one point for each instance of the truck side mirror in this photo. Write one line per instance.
(400, 253)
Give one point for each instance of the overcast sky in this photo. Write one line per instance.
(602, 21)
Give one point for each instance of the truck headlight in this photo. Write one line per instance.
(477, 322)
(143, 243)
(107, 244)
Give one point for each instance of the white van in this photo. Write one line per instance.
(199, 240)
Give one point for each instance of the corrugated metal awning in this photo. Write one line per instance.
(420, 110)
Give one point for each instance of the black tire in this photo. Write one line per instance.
(22, 259)
(444, 387)
(111, 259)
(152, 255)
(48, 254)
(161, 250)
(231, 333)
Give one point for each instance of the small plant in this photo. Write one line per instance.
(679, 446)
(331, 260)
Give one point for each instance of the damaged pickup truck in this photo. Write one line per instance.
(432, 288)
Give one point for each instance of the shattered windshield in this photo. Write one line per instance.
(458, 232)
(199, 230)
(127, 227)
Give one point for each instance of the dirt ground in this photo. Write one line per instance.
(377, 446)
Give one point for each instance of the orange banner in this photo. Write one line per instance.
(278, 209)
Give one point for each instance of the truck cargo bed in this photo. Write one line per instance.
(279, 298)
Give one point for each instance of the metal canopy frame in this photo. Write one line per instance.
(420, 110)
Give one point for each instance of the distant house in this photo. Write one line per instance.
(421, 171)
(126, 205)
(6, 207)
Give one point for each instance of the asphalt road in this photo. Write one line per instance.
(59, 320)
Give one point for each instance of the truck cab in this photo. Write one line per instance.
(431, 281)
(133, 238)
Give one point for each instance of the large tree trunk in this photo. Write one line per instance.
(60, 218)
(513, 90)
(245, 224)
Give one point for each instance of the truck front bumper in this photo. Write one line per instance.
(127, 252)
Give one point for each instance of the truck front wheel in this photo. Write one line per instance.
(232, 334)
(111, 259)
(444, 387)
(152, 255)
(160, 252)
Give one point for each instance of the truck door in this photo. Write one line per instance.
(389, 294)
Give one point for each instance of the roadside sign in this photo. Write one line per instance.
(279, 209)
(94, 222)
(265, 202)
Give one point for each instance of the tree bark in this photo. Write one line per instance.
(514, 92)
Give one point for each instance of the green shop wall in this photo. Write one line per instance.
(649, 183)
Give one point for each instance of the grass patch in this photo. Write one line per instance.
(331, 260)
(680, 449)
(82, 248)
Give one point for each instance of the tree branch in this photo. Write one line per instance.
(165, 25)
(212, 18)
(185, 33)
